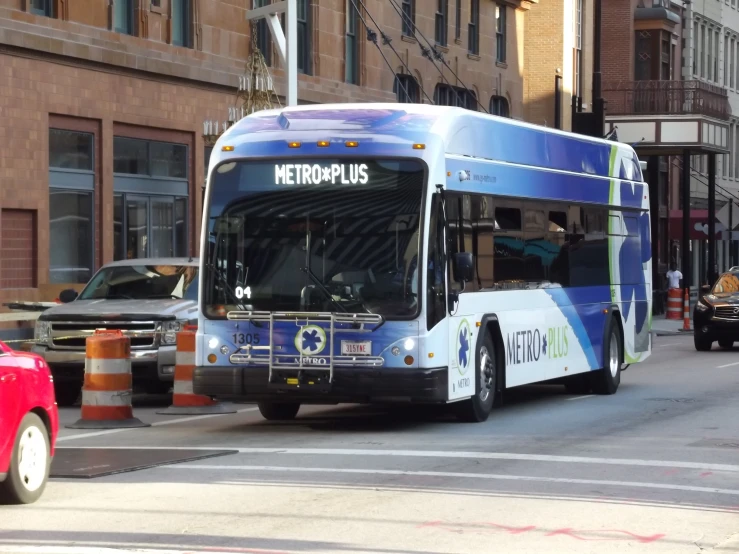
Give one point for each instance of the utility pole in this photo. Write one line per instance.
(287, 47)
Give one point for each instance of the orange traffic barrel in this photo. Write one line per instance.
(184, 400)
(107, 390)
(674, 304)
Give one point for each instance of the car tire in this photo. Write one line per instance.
(701, 342)
(607, 379)
(726, 344)
(273, 411)
(30, 463)
(477, 409)
(67, 394)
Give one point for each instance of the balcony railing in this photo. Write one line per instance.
(666, 98)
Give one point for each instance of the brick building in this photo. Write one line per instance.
(103, 102)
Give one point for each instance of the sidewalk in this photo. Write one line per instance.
(668, 327)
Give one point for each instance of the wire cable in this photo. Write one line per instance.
(372, 37)
(426, 52)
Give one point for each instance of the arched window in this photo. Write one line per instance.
(406, 89)
(499, 106)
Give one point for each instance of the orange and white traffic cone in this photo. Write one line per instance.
(107, 390)
(686, 311)
(184, 400)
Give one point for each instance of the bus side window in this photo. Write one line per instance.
(435, 290)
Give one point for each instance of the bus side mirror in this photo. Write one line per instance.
(463, 267)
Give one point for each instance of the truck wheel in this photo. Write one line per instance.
(478, 408)
(272, 411)
(30, 463)
(67, 393)
(607, 379)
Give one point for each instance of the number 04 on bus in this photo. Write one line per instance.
(414, 253)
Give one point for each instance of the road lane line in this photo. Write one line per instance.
(443, 454)
(156, 424)
(581, 397)
(727, 365)
(454, 474)
(55, 549)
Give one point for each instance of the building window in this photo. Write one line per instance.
(577, 84)
(182, 23)
(732, 51)
(264, 42)
(448, 95)
(500, 33)
(352, 44)
(304, 36)
(716, 41)
(123, 17)
(442, 7)
(149, 158)
(71, 195)
(473, 29)
(458, 19)
(18, 249)
(42, 7)
(150, 198)
(406, 89)
(409, 17)
(695, 48)
(725, 80)
(499, 106)
(703, 52)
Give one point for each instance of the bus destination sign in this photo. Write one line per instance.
(318, 174)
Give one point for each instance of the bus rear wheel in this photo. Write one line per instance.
(273, 411)
(607, 379)
(478, 408)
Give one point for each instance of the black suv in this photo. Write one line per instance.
(716, 315)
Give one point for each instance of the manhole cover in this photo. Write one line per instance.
(671, 399)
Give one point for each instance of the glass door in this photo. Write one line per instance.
(137, 227)
(149, 226)
(162, 227)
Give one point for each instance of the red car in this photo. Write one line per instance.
(29, 422)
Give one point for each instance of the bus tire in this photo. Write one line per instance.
(274, 411)
(478, 408)
(607, 379)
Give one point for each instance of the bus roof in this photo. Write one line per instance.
(463, 132)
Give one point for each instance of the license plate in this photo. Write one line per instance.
(356, 348)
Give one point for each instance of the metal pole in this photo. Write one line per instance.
(292, 52)
(685, 244)
(731, 233)
(711, 269)
(558, 102)
(598, 102)
(653, 185)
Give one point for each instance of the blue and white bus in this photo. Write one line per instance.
(375, 253)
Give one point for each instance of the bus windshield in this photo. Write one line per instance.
(330, 235)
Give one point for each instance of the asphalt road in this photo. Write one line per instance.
(654, 468)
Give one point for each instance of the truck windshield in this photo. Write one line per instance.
(319, 235)
(141, 282)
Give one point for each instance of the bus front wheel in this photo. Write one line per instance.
(478, 408)
(607, 380)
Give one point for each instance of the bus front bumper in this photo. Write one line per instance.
(350, 385)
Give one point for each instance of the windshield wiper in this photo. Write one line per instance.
(323, 289)
(112, 296)
(172, 296)
(222, 280)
